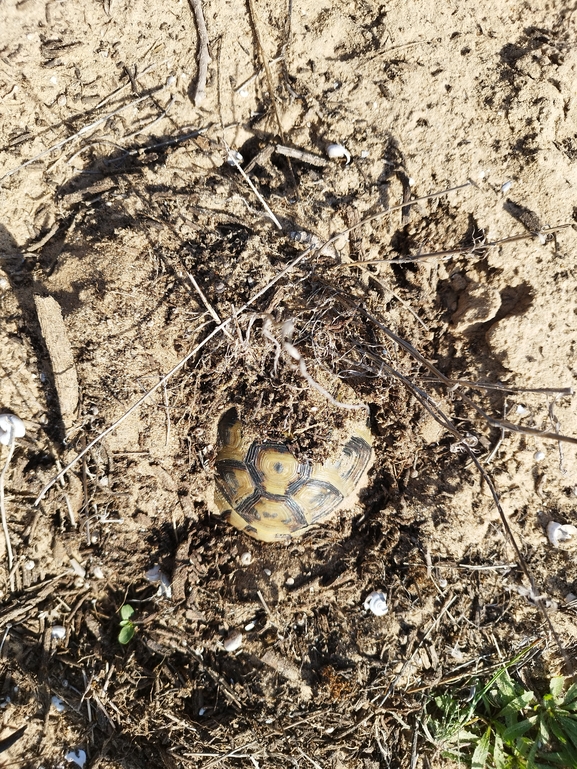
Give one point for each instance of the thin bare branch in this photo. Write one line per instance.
(9, 551)
(203, 55)
(478, 249)
(235, 162)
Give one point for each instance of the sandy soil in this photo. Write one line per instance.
(126, 238)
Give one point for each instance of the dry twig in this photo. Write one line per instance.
(478, 249)
(5, 529)
(235, 162)
(203, 55)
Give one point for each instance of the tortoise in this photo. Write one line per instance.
(264, 490)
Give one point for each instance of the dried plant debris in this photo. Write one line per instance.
(238, 222)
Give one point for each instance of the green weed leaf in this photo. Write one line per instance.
(499, 755)
(507, 726)
(571, 695)
(531, 757)
(518, 730)
(569, 724)
(556, 687)
(543, 735)
(506, 686)
(479, 760)
(126, 633)
(517, 703)
(557, 758)
(126, 611)
(558, 731)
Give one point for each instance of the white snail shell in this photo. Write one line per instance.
(11, 427)
(558, 532)
(76, 756)
(233, 641)
(58, 704)
(335, 151)
(377, 603)
(155, 575)
(58, 632)
(246, 558)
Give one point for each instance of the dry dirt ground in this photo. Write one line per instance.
(126, 238)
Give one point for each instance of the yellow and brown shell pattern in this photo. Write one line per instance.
(266, 492)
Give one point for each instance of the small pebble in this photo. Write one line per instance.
(506, 187)
(156, 576)
(77, 568)
(58, 632)
(539, 456)
(29, 565)
(97, 572)
(249, 627)
(246, 558)
(233, 641)
(290, 581)
(58, 704)
(268, 572)
(335, 151)
(153, 574)
(521, 410)
(236, 155)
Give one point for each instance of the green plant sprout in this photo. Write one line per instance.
(127, 627)
(506, 726)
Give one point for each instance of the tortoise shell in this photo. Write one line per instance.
(265, 491)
